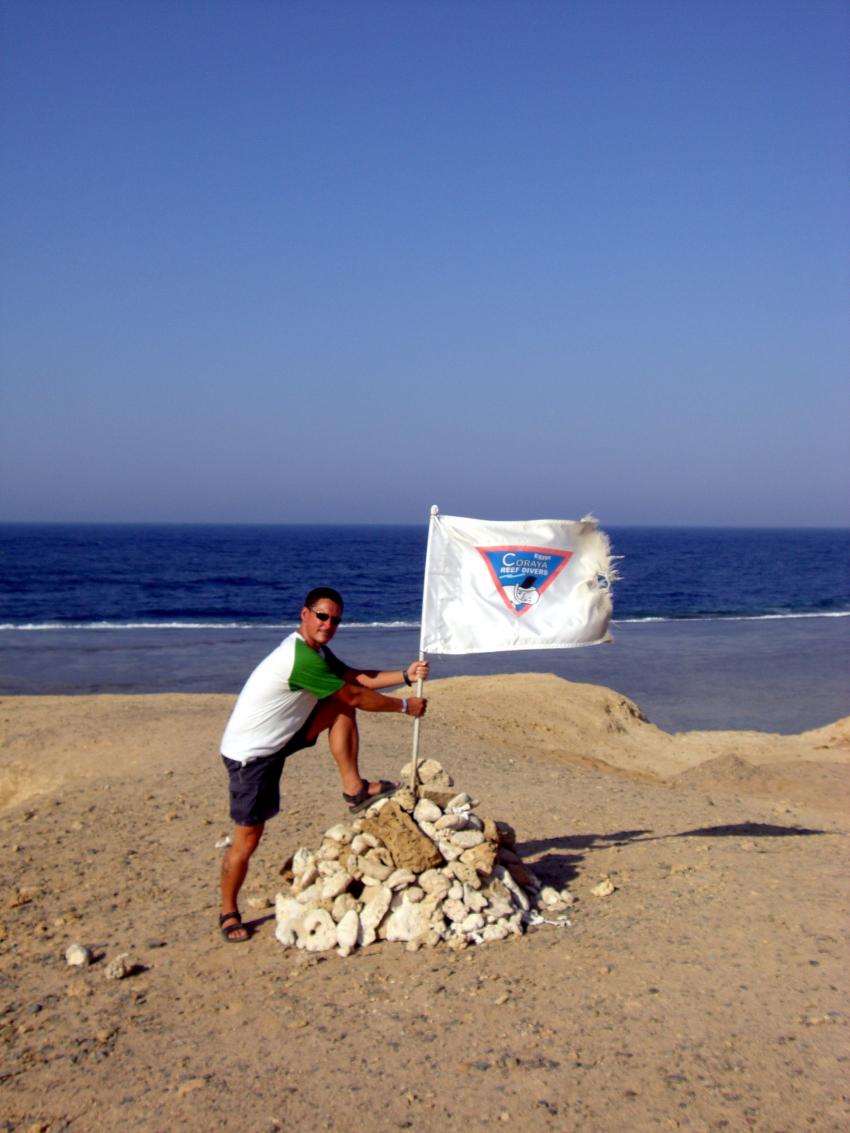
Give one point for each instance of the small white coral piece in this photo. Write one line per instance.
(317, 931)
(347, 932)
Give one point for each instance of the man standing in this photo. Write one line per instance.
(299, 691)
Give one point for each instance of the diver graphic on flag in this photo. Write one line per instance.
(522, 574)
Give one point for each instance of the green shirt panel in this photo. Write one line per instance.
(311, 672)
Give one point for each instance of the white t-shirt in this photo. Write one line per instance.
(278, 697)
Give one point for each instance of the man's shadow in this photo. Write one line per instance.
(561, 857)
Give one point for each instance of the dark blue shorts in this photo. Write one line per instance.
(255, 785)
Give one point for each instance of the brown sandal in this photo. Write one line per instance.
(363, 799)
(229, 932)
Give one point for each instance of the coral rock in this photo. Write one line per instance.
(317, 931)
(406, 922)
(481, 858)
(78, 956)
(434, 883)
(289, 912)
(472, 923)
(458, 802)
(339, 833)
(437, 795)
(309, 895)
(474, 899)
(428, 770)
(257, 902)
(373, 913)
(518, 894)
(347, 932)
(496, 931)
(401, 878)
(405, 799)
(408, 846)
(451, 822)
(454, 910)
(329, 868)
(343, 904)
(604, 889)
(491, 830)
(119, 968)
(427, 811)
(336, 884)
(301, 859)
(465, 874)
(305, 878)
(466, 839)
(370, 868)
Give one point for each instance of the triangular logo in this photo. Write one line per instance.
(523, 574)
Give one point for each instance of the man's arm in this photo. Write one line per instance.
(386, 678)
(370, 701)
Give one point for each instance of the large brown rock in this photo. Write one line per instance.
(408, 846)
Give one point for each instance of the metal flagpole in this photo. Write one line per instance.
(414, 759)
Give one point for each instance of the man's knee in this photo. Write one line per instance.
(246, 839)
(330, 713)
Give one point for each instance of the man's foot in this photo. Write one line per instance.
(369, 793)
(232, 929)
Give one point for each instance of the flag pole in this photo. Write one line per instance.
(414, 759)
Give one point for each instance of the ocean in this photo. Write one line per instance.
(714, 628)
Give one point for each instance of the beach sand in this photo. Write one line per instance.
(707, 992)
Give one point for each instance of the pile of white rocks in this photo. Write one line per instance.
(420, 870)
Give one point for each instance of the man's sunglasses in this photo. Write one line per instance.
(323, 617)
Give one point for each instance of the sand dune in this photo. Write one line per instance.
(47, 741)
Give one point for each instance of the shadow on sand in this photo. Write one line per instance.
(559, 858)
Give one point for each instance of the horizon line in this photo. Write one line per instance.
(787, 526)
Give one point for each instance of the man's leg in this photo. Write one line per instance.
(340, 722)
(234, 867)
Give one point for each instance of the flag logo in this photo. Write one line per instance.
(523, 574)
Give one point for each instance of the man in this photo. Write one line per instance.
(299, 691)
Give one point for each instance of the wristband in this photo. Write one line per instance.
(407, 679)
(404, 707)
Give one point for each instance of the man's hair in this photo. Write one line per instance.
(323, 592)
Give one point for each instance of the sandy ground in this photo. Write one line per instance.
(709, 991)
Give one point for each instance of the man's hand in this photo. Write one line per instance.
(418, 670)
(416, 705)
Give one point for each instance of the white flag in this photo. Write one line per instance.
(541, 584)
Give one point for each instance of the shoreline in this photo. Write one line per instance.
(782, 676)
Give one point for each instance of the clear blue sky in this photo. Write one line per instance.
(329, 261)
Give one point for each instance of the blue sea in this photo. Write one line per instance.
(714, 628)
